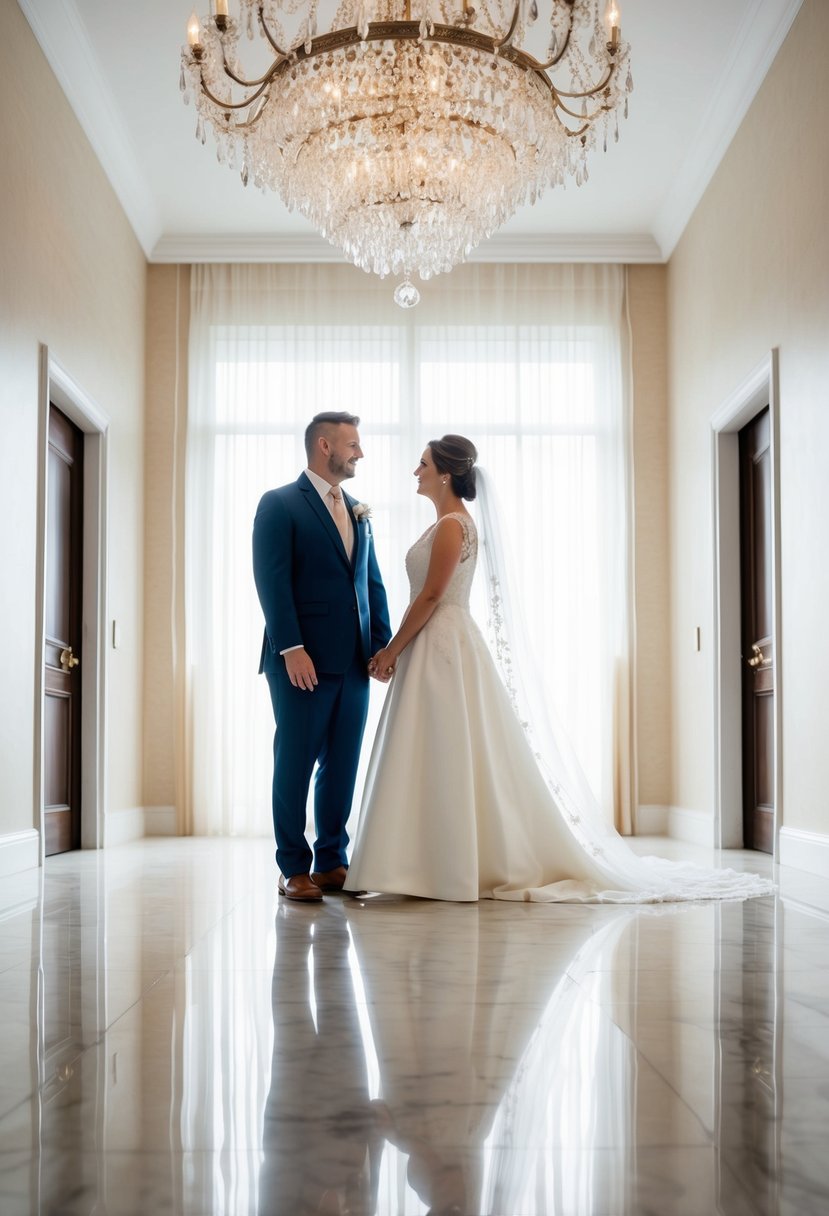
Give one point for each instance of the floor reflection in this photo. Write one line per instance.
(484, 1043)
(176, 1041)
(319, 1140)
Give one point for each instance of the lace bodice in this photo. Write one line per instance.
(460, 585)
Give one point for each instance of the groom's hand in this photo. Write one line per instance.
(300, 669)
(382, 666)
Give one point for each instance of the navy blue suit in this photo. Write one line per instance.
(313, 596)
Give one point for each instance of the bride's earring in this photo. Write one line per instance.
(445, 480)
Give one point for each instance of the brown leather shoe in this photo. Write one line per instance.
(300, 887)
(331, 880)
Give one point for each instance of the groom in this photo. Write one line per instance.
(325, 614)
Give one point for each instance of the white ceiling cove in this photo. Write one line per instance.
(696, 68)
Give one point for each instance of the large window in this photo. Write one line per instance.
(541, 397)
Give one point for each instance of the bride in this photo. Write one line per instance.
(461, 801)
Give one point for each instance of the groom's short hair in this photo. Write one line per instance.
(320, 421)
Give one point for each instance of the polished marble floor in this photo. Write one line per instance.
(174, 1039)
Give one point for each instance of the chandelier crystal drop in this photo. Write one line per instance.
(407, 135)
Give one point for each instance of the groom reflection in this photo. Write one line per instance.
(317, 1136)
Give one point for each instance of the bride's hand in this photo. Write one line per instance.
(382, 665)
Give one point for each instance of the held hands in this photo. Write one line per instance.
(300, 669)
(382, 666)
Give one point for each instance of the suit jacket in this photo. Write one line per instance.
(311, 594)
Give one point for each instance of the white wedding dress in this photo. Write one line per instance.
(456, 805)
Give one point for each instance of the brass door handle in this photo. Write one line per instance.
(67, 659)
(758, 657)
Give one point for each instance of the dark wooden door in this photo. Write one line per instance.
(757, 639)
(63, 655)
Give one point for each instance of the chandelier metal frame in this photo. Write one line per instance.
(444, 232)
(406, 31)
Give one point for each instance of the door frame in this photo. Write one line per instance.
(58, 386)
(760, 388)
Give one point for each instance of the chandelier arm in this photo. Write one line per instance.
(250, 123)
(235, 105)
(247, 84)
(556, 59)
(536, 64)
(268, 35)
(507, 38)
(586, 118)
(597, 88)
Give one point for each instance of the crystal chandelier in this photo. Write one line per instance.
(407, 137)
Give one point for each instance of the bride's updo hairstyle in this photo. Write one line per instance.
(455, 455)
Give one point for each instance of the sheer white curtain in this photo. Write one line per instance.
(529, 362)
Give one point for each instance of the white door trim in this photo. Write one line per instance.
(57, 385)
(759, 389)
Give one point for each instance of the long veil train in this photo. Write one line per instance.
(629, 877)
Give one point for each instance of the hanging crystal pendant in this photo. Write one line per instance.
(406, 294)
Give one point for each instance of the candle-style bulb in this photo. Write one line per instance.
(221, 8)
(194, 30)
(613, 19)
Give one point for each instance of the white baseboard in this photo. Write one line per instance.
(652, 821)
(136, 822)
(160, 821)
(677, 823)
(121, 827)
(807, 851)
(694, 827)
(19, 851)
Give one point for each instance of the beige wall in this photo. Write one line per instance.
(72, 275)
(647, 309)
(751, 273)
(168, 315)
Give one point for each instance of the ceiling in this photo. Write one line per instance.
(696, 68)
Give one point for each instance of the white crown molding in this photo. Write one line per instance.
(760, 37)
(500, 248)
(64, 41)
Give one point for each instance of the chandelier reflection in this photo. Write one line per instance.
(409, 131)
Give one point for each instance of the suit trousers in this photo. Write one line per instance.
(324, 728)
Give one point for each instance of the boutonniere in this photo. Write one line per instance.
(362, 511)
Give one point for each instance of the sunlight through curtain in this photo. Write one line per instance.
(528, 361)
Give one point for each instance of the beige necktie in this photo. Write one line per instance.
(340, 515)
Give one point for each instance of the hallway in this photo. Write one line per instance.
(177, 1041)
